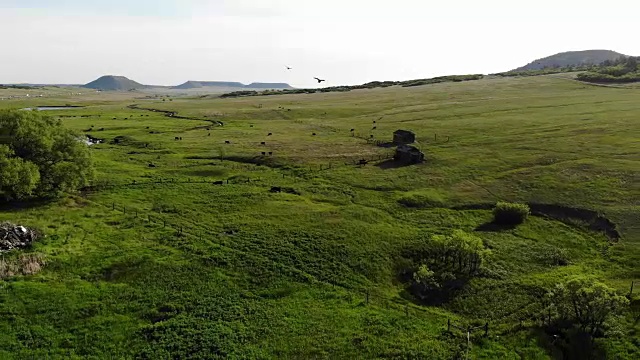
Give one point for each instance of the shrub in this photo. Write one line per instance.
(39, 158)
(510, 213)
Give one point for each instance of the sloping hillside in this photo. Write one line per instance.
(572, 58)
(114, 83)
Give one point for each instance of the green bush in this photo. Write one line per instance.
(510, 213)
(39, 158)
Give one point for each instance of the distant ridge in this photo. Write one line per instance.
(200, 84)
(572, 58)
(114, 83)
(256, 85)
(227, 84)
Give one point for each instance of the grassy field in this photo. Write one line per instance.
(157, 262)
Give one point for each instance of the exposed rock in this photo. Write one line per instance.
(15, 236)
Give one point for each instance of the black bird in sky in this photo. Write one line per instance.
(288, 68)
(319, 80)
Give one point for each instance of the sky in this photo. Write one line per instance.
(346, 42)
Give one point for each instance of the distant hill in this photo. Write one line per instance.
(228, 84)
(200, 84)
(114, 83)
(572, 58)
(269, 86)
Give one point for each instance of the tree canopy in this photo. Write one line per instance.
(39, 158)
(585, 302)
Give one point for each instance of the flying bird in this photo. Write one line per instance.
(288, 68)
(319, 80)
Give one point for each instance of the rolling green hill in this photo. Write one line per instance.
(571, 58)
(265, 238)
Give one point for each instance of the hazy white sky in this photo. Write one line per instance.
(167, 42)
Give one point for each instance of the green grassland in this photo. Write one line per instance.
(157, 262)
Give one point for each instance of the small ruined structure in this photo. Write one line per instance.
(15, 237)
(403, 137)
(407, 154)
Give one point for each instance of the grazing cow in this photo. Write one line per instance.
(314, 134)
(177, 138)
(101, 129)
(375, 127)
(227, 142)
(276, 189)
(371, 136)
(263, 143)
(219, 182)
(180, 137)
(147, 127)
(114, 119)
(264, 153)
(363, 162)
(374, 121)
(270, 152)
(269, 134)
(209, 134)
(352, 130)
(250, 125)
(288, 109)
(152, 165)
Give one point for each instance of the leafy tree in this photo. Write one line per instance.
(425, 278)
(39, 157)
(18, 179)
(585, 302)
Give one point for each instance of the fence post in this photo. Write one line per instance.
(448, 325)
(631, 291)
(486, 329)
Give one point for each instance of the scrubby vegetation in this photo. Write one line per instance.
(370, 85)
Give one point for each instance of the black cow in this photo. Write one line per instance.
(177, 138)
(363, 162)
(219, 182)
(276, 189)
(264, 153)
(152, 165)
(227, 142)
(375, 127)
(263, 143)
(269, 134)
(270, 152)
(314, 134)
(352, 130)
